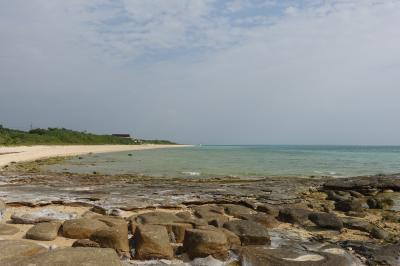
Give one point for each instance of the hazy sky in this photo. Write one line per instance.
(205, 71)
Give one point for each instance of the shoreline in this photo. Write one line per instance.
(30, 153)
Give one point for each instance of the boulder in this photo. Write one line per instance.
(348, 205)
(152, 242)
(71, 257)
(211, 213)
(326, 220)
(237, 210)
(158, 217)
(332, 195)
(250, 233)
(45, 215)
(44, 231)
(6, 229)
(81, 228)
(294, 215)
(13, 249)
(357, 224)
(203, 243)
(85, 243)
(379, 203)
(379, 233)
(112, 238)
(268, 209)
(177, 231)
(268, 221)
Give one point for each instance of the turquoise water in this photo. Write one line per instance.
(243, 161)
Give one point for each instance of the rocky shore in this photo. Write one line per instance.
(69, 219)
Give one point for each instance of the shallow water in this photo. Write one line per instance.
(243, 161)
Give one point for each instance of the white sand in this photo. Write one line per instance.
(30, 153)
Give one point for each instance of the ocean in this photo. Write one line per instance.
(242, 161)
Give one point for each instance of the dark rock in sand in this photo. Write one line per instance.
(203, 243)
(44, 231)
(81, 228)
(250, 233)
(326, 220)
(10, 250)
(348, 205)
(357, 224)
(72, 256)
(85, 243)
(294, 215)
(364, 183)
(379, 233)
(152, 242)
(379, 203)
(332, 195)
(6, 229)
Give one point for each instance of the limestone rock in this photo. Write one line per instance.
(158, 217)
(85, 243)
(326, 220)
(268, 221)
(6, 229)
(44, 231)
(13, 249)
(3, 208)
(112, 238)
(45, 215)
(379, 233)
(79, 256)
(268, 209)
(357, 224)
(152, 242)
(237, 210)
(203, 243)
(250, 233)
(82, 228)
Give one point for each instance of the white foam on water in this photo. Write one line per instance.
(306, 258)
(192, 173)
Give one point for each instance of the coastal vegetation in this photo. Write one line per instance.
(62, 136)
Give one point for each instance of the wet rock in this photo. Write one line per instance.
(379, 233)
(203, 243)
(357, 224)
(13, 249)
(348, 205)
(268, 221)
(72, 256)
(3, 208)
(379, 203)
(237, 210)
(294, 215)
(250, 233)
(158, 217)
(45, 215)
(81, 228)
(326, 220)
(44, 231)
(85, 243)
(112, 238)
(6, 229)
(152, 242)
(376, 254)
(261, 256)
(268, 209)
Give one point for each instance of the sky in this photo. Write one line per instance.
(205, 71)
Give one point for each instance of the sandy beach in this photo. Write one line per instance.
(29, 153)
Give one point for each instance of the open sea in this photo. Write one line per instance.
(243, 161)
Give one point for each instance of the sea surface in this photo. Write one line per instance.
(243, 161)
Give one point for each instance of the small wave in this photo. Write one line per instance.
(191, 173)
